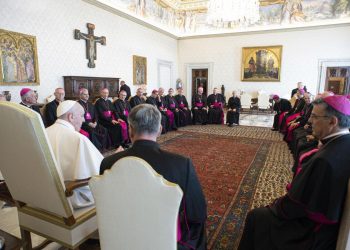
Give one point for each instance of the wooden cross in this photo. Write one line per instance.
(91, 41)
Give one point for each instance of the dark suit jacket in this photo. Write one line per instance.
(178, 169)
(50, 113)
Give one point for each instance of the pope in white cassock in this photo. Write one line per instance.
(77, 158)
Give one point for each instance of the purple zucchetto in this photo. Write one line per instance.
(275, 97)
(339, 102)
(24, 91)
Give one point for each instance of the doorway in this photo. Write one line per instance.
(337, 80)
(200, 79)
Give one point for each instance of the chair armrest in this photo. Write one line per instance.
(71, 185)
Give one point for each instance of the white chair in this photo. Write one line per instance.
(246, 101)
(35, 182)
(136, 207)
(343, 242)
(264, 102)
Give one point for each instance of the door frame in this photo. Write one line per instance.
(189, 67)
(323, 64)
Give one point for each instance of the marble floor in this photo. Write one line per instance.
(256, 120)
(9, 224)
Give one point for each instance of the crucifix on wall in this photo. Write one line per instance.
(91, 41)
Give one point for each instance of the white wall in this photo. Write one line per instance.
(301, 52)
(59, 54)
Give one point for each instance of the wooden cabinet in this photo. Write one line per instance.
(72, 85)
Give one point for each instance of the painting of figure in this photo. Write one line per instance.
(18, 59)
(261, 63)
(139, 70)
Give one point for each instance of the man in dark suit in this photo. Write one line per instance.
(126, 88)
(144, 125)
(51, 107)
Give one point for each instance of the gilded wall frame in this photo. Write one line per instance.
(261, 64)
(18, 59)
(139, 70)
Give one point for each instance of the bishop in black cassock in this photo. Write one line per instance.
(308, 216)
(172, 105)
(122, 108)
(199, 107)
(281, 105)
(98, 135)
(108, 118)
(29, 99)
(185, 112)
(137, 99)
(153, 100)
(216, 104)
(233, 109)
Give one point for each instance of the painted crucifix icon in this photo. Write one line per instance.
(91, 41)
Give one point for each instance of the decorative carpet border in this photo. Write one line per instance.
(233, 223)
(239, 131)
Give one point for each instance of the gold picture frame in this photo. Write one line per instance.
(139, 70)
(261, 64)
(18, 59)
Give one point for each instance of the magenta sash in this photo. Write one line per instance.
(199, 104)
(217, 104)
(126, 112)
(288, 120)
(301, 159)
(181, 105)
(107, 114)
(280, 118)
(170, 115)
(83, 132)
(172, 105)
(290, 130)
(87, 117)
(124, 128)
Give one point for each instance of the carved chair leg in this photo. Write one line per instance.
(27, 240)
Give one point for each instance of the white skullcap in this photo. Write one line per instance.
(64, 107)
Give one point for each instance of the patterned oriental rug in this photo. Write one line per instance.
(236, 174)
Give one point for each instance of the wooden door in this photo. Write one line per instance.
(199, 79)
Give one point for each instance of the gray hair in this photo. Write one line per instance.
(24, 97)
(145, 119)
(343, 120)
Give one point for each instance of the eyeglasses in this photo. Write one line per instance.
(313, 116)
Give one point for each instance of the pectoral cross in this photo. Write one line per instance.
(91, 41)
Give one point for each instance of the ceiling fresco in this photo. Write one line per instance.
(184, 18)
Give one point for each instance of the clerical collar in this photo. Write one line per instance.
(106, 99)
(65, 123)
(337, 134)
(83, 101)
(27, 105)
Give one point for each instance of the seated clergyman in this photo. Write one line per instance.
(77, 158)
(144, 124)
(308, 216)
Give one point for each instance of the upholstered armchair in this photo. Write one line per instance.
(35, 182)
(136, 207)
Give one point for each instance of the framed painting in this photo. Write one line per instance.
(261, 64)
(139, 70)
(18, 59)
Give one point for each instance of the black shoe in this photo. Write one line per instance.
(274, 129)
(230, 125)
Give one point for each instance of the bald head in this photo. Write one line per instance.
(59, 94)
